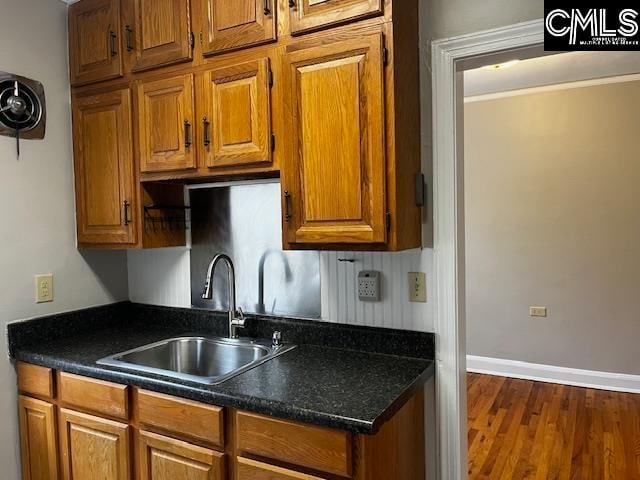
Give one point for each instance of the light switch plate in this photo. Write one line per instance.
(537, 311)
(369, 285)
(417, 287)
(44, 288)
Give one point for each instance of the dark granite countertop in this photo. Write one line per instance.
(355, 385)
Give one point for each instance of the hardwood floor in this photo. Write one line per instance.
(520, 429)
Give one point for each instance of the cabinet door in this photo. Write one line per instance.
(334, 186)
(93, 447)
(237, 115)
(94, 41)
(104, 168)
(163, 458)
(237, 24)
(313, 14)
(38, 446)
(165, 123)
(253, 470)
(162, 33)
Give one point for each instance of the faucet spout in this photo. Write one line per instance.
(236, 317)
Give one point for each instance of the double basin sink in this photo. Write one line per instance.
(200, 359)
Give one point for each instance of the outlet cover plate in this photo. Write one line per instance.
(44, 288)
(369, 285)
(417, 287)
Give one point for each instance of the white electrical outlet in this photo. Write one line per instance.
(44, 288)
(537, 311)
(417, 287)
(369, 286)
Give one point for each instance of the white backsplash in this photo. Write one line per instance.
(161, 277)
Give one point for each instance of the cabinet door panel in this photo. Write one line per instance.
(336, 181)
(163, 458)
(93, 447)
(103, 154)
(94, 41)
(38, 446)
(162, 33)
(253, 470)
(165, 122)
(238, 111)
(313, 14)
(237, 24)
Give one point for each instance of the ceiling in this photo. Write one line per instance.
(551, 70)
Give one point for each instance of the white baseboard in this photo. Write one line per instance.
(617, 382)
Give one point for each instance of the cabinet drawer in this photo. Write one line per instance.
(252, 470)
(180, 417)
(93, 395)
(35, 380)
(298, 444)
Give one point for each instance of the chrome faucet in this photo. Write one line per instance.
(236, 317)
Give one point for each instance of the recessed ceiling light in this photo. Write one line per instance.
(501, 66)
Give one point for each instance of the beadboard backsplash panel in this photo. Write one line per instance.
(161, 277)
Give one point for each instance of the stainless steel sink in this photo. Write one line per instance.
(207, 360)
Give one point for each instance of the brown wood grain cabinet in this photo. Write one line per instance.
(236, 121)
(93, 447)
(95, 49)
(104, 169)
(164, 458)
(166, 123)
(323, 93)
(92, 429)
(237, 24)
(336, 177)
(161, 34)
(313, 14)
(38, 443)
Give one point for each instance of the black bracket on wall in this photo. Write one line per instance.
(421, 190)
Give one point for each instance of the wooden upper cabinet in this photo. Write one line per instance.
(104, 168)
(94, 41)
(164, 458)
(305, 15)
(334, 181)
(230, 25)
(236, 118)
(162, 33)
(93, 447)
(38, 444)
(166, 124)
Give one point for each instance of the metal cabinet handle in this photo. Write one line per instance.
(287, 206)
(267, 7)
(129, 34)
(112, 43)
(127, 218)
(187, 134)
(205, 128)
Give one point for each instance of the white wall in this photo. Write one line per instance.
(161, 277)
(37, 231)
(552, 220)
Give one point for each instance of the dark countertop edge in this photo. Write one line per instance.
(273, 409)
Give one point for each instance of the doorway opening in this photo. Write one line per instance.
(458, 281)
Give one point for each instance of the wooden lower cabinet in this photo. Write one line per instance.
(38, 444)
(93, 447)
(151, 436)
(164, 458)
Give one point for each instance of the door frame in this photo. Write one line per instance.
(448, 56)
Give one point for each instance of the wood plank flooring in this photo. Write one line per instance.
(520, 429)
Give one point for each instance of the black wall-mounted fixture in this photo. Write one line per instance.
(22, 108)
